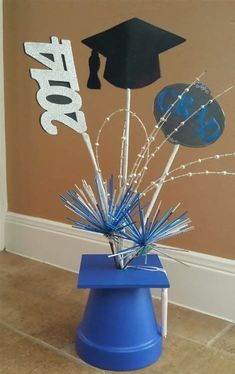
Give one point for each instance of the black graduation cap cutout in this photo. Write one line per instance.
(132, 50)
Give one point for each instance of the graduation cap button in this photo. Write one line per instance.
(132, 51)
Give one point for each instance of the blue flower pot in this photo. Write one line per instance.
(119, 330)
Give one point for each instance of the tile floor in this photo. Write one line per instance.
(40, 308)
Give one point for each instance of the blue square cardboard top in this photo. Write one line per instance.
(99, 271)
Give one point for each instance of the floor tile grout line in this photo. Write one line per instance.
(59, 351)
(205, 345)
(188, 339)
(221, 351)
(219, 335)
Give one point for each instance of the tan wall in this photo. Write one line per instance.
(40, 167)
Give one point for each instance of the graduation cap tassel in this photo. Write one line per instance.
(94, 65)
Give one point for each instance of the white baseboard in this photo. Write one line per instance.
(207, 285)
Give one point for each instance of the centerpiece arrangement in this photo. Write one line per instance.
(122, 208)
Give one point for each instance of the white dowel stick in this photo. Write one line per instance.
(126, 135)
(87, 141)
(160, 184)
(164, 310)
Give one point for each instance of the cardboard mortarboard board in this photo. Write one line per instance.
(132, 50)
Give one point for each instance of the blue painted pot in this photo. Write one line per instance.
(119, 330)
